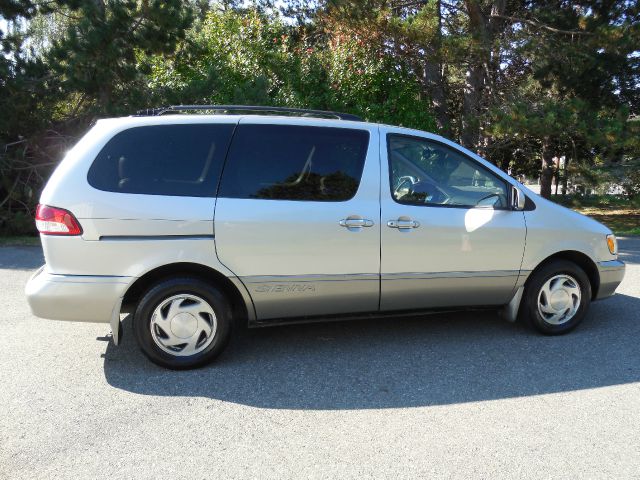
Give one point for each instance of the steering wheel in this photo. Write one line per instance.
(422, 191)
(430, 192)
(402, 181)
(487, 197)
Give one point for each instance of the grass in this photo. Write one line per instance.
(618, 213)
(622, 221)
(597, 201)
(19, 241)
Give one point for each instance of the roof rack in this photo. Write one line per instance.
(246, 108)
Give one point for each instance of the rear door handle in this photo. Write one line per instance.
(356, 222)
(403, 224)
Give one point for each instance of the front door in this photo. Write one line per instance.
(297, 216)
(449, 237)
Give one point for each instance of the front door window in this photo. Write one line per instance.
(425, 172)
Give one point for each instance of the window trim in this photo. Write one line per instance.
(460, 152)
(239, 125)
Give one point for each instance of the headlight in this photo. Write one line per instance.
(612, 243)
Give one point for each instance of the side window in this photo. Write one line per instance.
(179, 160)
(424, 172)
(287, 162)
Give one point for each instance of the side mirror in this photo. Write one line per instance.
(517, 199)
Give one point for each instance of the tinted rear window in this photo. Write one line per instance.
(180, 160)
(286, 162)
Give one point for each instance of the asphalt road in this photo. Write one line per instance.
(455, 396)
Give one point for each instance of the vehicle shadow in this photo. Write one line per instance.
(399, 362)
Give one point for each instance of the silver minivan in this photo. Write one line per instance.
(196, 222)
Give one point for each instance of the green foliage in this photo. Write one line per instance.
(249, 58)
(519, 82)
(17, 223)
(360, 77)
(50, 93)
(603, 202)
(20, 241)
(574, 95)
(618, 212)
(98, 55)
(631, 182)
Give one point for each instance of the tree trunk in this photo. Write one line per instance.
(546, 173)
(104, 97)
(104, 88)
(484, 29)
(470, 133)
(434, 82)
(565, 176)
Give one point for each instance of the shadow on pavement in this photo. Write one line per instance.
(629, 249)
(401, 362)
(21, 258)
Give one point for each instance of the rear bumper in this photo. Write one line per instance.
(80, 298)
(611, 274)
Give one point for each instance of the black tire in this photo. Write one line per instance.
(177, 286)
(529, 312)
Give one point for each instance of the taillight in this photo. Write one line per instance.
(56, 221)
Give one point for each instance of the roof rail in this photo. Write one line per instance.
(246, 108)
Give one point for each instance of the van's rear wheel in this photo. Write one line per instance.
(557, 297)
(182, 323)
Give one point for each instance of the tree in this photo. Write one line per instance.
(50, 87)
(576, 86)
(98, 56)
(24, 83)
(522, 83)
(247, 56)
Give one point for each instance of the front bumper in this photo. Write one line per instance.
(80, 298)
(611, 274)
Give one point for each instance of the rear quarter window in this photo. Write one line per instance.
(178, 160)
(290, 162)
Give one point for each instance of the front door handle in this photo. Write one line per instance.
(403, 224)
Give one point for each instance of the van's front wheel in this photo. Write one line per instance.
(182, 323)
(556, 297)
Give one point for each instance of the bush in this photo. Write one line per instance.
(17, 223)
(631, 184)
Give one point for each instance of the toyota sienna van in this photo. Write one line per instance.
(198, 218)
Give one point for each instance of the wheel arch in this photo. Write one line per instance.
(241, 303)
(582, 260)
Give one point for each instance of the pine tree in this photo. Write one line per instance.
(99, 56)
